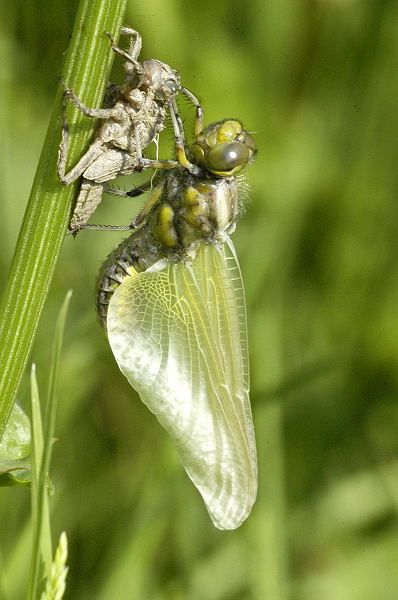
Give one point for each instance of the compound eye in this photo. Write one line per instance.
(227, 157)
(170, 87)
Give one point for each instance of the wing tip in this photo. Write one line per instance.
(233, 518)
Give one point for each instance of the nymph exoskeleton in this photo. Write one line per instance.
(132, 118)
(172, 302)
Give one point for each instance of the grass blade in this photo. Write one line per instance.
(42, 441)
(52, 398)
(37, 459)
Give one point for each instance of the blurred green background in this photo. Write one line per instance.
(316, 80)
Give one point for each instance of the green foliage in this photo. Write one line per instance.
(15, 467)
(42, 442)
(317, 81)
(56, 581)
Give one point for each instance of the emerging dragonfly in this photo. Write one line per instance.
(172, 301)
(134, 115)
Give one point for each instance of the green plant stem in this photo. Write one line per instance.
(37, 459)
(42, 441)
(86, 71)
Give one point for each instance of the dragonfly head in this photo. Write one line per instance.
(159, 77)
(223, 148)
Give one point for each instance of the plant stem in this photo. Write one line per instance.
(86, 71)
(42, 441)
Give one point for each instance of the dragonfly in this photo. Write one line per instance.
(172, 301)
(133, 116)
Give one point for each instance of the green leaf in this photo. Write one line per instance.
(17, 472)
(15, 468)
(15, 443)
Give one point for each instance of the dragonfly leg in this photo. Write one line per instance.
(149, 163)
(92, 226)
(135, 42)
(90, 196)
(182, 160)
(179, 137)
(94, 113)
(153, 199)
(139, 219)
(134, 193)
(135, 45)
(92, 153)
(199, 109)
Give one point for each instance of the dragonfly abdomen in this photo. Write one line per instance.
(134, 255)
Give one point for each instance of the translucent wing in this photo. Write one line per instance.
(178, 332)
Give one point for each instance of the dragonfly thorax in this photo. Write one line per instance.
(193, 209)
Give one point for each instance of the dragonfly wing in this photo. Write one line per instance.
(178, 332)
